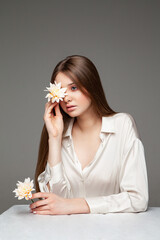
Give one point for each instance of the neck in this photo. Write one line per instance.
(87, 122)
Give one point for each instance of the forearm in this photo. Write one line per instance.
(53, 179)
(120, 202)
(54, 153)
(77, 205)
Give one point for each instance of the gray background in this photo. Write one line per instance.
(120, 37)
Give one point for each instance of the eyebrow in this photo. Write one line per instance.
(70, 84)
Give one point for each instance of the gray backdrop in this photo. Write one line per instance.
(121, 38)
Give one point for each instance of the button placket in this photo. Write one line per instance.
(76, 161)
(83, 184)
(102, 139)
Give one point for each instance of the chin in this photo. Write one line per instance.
(73, 114)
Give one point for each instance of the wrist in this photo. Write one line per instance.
(77, 205)
(54, 140)
(54, 154)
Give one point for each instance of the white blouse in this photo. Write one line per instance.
(114, 181)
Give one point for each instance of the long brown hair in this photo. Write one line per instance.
(84, 73)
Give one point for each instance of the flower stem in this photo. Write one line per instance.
(32, 200)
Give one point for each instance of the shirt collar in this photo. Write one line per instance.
(108, 126)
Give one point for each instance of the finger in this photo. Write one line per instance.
(57, 110)
(46, 107)
(40, 195)
(39, 203)
(46, 212)
(49, 106)
(42, 208)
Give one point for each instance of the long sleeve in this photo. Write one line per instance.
(57, 181)
(133, 182)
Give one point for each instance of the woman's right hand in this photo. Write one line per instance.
(54, 123)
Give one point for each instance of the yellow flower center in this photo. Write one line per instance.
(55, 92)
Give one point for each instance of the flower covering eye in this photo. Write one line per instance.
(56, 93)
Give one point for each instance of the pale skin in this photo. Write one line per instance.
(86, 128)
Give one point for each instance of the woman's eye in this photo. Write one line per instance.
(74, 88)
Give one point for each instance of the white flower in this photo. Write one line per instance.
(56, 93)
(24, 189)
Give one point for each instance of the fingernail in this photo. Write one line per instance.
(34, 212)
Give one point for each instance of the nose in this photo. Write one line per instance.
(67, 97)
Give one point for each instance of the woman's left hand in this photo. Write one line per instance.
(52, 204)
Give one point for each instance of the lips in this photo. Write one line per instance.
(70, 106)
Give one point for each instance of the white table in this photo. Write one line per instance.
(18, 223)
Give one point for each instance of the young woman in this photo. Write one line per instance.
(91, 158)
